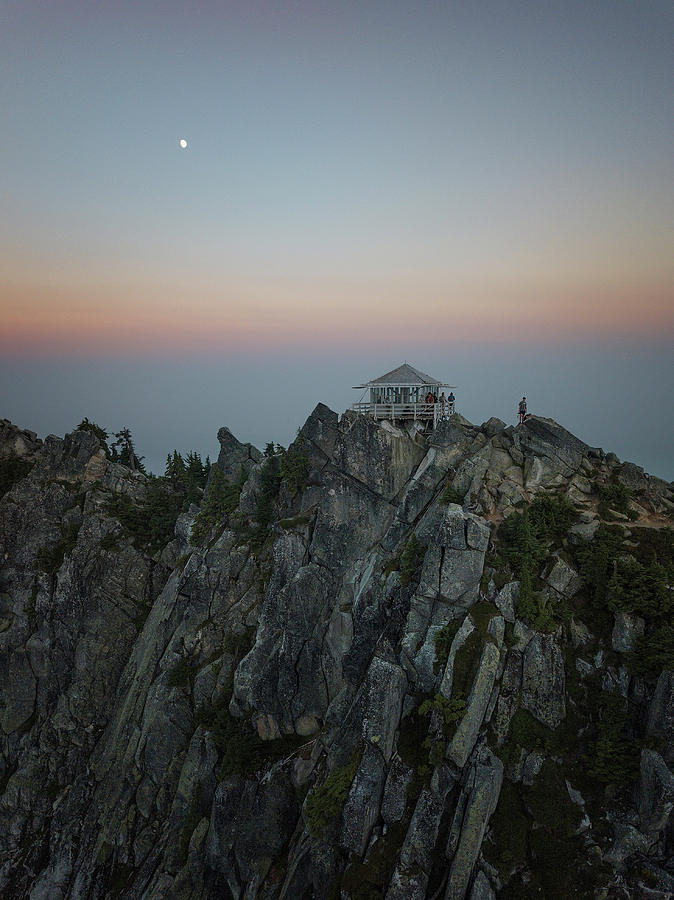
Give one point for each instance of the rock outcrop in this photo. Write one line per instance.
(357, 683)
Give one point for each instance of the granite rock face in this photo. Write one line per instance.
(342, 690)
(235, 456)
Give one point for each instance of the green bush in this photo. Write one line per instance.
(366, 879)
(525, 538)
(654, 546)
(243, 751)
(270, 483)
(653, 653)
(450, 711)
(187, 477)
(614, 497)
(411, 560)
(467, 659)
(527, 733)
(443, 642)
(639, 583)
(534, 827)
(294, 465)
(596, 560)
(150, 524)
(12, 469)
(522, 546)
(509, 826)
(549, 802)
(539, 612)
(412, 734)
(327, 801)
(613, 758)
(223, 499)
(644, 590)
(123, 451)
(552, 516)
(445, 716)
(451, 495)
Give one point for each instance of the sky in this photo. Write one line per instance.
(483, 189)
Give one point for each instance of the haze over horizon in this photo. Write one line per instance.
(485, 190)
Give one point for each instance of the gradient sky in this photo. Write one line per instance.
(485, 189)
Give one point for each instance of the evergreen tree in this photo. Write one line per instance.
(124, 452)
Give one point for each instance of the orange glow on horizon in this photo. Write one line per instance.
(38, 319)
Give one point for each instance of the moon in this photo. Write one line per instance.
(183, 144)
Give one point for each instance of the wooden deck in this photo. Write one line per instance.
(424, 412)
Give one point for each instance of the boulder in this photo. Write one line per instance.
(661, 715)
(546, 440)
(634, 478)
(460, 639)
(482, 788)
(627, 842)
(543, 681)
(506, 600)
(361, 810)
(471, 471)
(234, 455)
(563, 578)
(580, 633)
(508, 699)
(394, 799)
(410, 878)
(655, 794)
(481, 888)
(493, 426)
(320, 429)
(626, 630)
(468, 729)
(583, 532)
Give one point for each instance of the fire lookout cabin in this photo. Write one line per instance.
(406, 393)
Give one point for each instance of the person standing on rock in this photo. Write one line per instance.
(522, 409)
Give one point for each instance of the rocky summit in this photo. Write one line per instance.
(378, 664)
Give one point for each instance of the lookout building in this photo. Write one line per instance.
(406, 393)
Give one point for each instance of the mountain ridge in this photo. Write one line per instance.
(376, 674)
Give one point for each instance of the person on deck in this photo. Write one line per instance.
(451, 397)
(522, 409)
(429, 397)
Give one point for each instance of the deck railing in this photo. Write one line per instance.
(426, 412)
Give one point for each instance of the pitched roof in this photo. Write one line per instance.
(406, 375)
